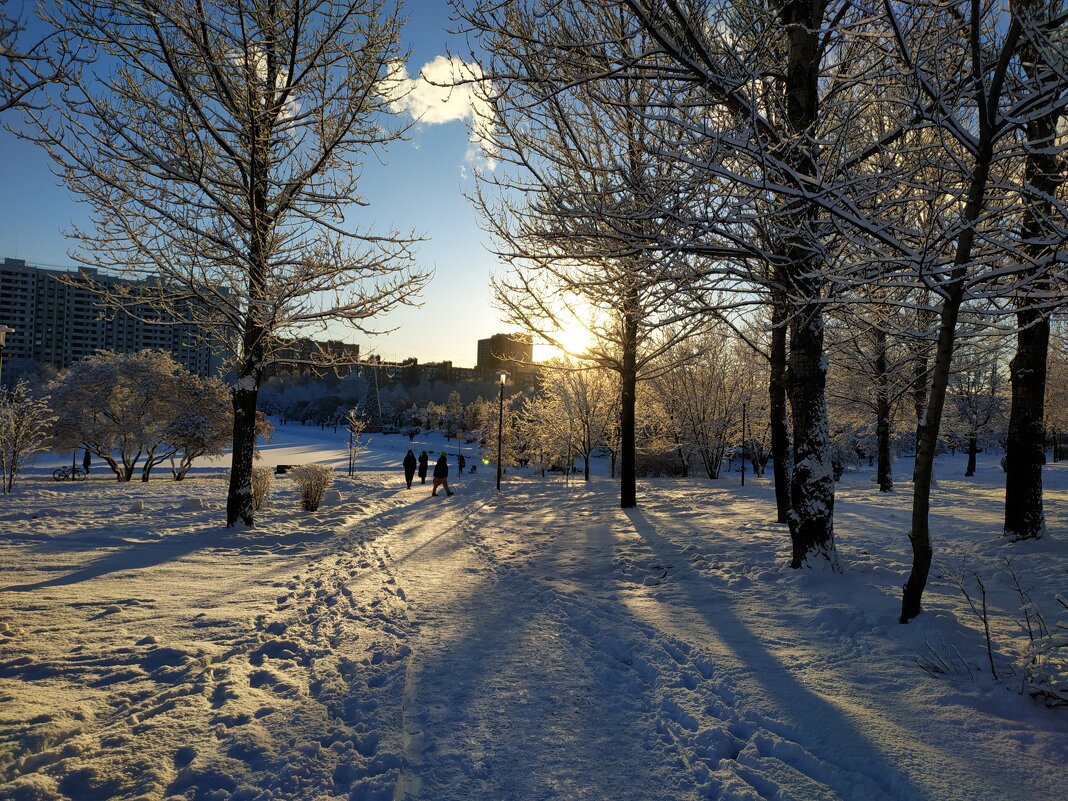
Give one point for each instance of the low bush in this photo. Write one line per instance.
(313, 480)
(262, 479)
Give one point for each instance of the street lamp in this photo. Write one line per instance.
(4, 331)
(503, 377)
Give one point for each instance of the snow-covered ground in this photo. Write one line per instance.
(537, 644)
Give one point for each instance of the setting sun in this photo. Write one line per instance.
(575, 339)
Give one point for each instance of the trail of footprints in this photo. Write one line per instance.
(730, 752)
(291, 706)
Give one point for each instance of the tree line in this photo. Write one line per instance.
(893, 168)
(127, 410)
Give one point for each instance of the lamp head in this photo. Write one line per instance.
(502, 377)
(4, 331)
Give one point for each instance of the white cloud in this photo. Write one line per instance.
(439, 95)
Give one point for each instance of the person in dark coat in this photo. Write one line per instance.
(424, 460)
(409, 468)
(441, 475)
(461, 462)
(87, 460)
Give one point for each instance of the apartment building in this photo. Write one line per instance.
(58, 320)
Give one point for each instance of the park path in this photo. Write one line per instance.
(543, 666)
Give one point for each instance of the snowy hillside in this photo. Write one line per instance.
(537, 644)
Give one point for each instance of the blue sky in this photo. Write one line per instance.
(419, 187)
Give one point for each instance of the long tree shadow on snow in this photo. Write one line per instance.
(809, 714)
(145, 554)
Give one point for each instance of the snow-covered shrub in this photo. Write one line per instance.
(262, 478)
(24, 431)
(313, 479)
(1047, 665)
(1046, 668)
(1042, 668)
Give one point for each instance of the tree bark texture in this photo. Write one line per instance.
(1025, 446)
(930, 424)
(780, 431)
(811, 516)
(885, 470)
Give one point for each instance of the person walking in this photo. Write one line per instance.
(461, 462)
(87, 460)
(409, 467)
(424, 460)
(441, 475)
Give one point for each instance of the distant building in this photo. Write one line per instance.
(299, 357)
(513, 353)
(58, 320)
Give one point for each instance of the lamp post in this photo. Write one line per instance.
(503, 376)
(4, 331)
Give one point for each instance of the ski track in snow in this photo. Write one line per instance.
(538, 644)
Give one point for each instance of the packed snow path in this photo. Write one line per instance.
(537, 644)
(544, 666)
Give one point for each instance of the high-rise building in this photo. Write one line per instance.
(58, 319)
(513, 353)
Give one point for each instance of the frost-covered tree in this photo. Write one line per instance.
(581, 193)
(701, 396)
(118, 406)
(25, 430)
(355, 426)
(219, 145)
(1042, 237)
(587, 398)
(870, 375)
(201, 424)
(978, 75)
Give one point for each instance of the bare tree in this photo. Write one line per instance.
(218, 144)
(587, 399)
(964, 64)
(870, 376)
(582, 197)
(1041, 238)
(977, 394)
(29, 62)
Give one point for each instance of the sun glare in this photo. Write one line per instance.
(574, 339)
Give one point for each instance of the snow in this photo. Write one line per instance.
(540, 643)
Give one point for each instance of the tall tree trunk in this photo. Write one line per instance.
(930, 423)
(973, 450)
(628, 485)
(1025, 446)
(884, 472)
(919, 394)
(254, 336)
(239, 495)
(780, 431)
(812, 483)
(811, 516)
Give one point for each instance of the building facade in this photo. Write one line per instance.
(513, 353)
(59, 319)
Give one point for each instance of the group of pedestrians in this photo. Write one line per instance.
(441, 470)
